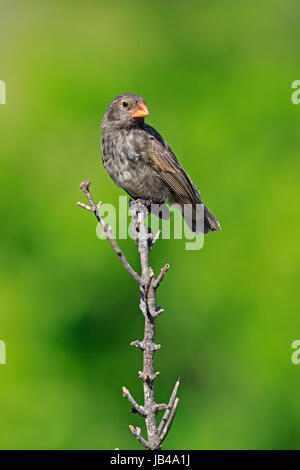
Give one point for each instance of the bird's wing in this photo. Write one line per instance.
(164, 162)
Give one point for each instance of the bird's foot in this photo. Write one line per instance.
(148, 202)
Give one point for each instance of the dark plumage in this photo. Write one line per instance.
(140, 161)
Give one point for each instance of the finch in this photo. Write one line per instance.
(141, 162)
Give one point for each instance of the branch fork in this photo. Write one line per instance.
(148, 286)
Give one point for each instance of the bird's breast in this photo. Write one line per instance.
(124, 160)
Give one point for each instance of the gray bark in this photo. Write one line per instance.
(148, 284)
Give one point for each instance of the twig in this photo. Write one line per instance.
(161, 407)
(154, 240)
(169, 423)
(137, 433)
(170, 405)
(138, 344)
(96, 209)
(162, 274)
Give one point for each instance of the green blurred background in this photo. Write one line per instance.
(216, 77)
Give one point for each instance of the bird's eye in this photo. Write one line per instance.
(124, 104)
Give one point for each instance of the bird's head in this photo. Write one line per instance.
(125, 110)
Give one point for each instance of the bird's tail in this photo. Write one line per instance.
(211, 224)
(199, 218)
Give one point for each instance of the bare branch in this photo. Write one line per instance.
(158, 312)
(138, 344)
(137, 433)
(96, 209)
(169, 423)
(84, 206)
(160, 407)
(149, 283)
(139, 409)
(143, 306)
(154, 240)
(143, 376)
(161, 275)
(151, 297)
(170, 405)
(145, 241)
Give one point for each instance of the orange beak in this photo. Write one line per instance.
(140, 110)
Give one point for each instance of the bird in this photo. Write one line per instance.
(140, 161)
